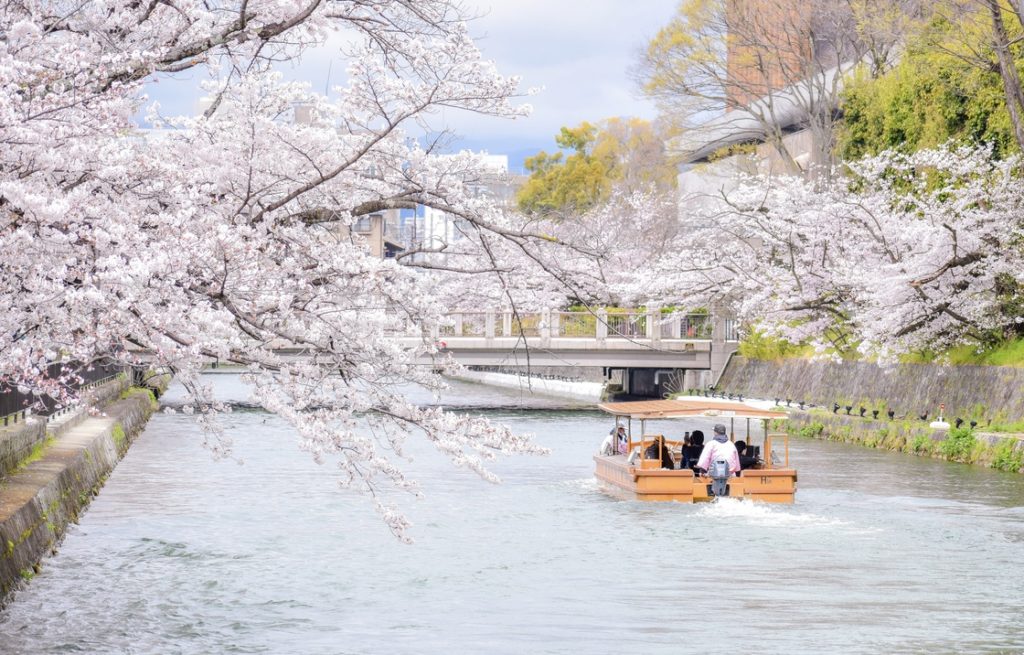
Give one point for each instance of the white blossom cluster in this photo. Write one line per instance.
(905, 252)
(226, 238)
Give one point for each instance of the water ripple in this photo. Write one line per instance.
(182, 554)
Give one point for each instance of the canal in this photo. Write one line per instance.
(882, 553)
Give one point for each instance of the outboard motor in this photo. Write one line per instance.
(719, 474)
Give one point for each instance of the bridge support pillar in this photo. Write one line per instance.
(654, 324)
(723, 345)
(696, 379)
(544, 328)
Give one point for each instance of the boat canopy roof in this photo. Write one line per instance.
(688, 407)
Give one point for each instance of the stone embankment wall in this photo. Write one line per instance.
(981, 393)
(45, 491)
(986, 393)
(17, 442)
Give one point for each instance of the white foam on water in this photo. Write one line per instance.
(581, 484)
(762, 514)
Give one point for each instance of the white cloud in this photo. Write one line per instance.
(578, 50)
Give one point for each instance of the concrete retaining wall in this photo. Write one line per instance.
(573, 373)
(987, 393)
(17, 440)
(587, 391)
(38, 501)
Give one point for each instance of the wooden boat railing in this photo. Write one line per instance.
(768, 452)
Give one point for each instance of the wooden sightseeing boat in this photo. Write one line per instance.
(769, 479)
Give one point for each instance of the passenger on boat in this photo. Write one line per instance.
(658, 450)
(693, 451)
(720, 448)
(617, 442)
(684, 459)
(746, 461)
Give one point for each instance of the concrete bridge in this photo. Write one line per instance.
(639, 352)
(646, 352)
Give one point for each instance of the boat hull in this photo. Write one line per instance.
(631, 481)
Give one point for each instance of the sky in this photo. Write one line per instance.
(578, 51)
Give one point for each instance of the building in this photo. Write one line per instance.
(786, 62)
(389, 232)
(430, 229)
(382, 232)
(767, 47)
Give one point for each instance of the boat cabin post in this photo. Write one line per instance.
(643, 435)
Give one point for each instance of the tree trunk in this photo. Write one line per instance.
(1008, 71)
(1018, 9)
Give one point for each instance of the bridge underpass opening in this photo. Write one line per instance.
(655, 382)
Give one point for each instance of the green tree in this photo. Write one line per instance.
(618, 153)
(937, 92)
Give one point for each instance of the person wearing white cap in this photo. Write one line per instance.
(615, 443)
(720, 448)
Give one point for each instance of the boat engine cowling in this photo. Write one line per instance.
(719, 474)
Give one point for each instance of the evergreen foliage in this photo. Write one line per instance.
(933, 95)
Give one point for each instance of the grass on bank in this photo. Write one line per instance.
(757, 345)
(36, 454)
(961, 444)
(1008, 353)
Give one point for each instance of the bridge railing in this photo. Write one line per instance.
(466, 324)
(599, 324)
(576, 324)
(686, 326)
(15, 404)
(628, 324)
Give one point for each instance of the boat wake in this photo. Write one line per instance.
(762, 514)
(581, 484)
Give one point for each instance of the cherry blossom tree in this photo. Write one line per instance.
(906, 252)
(617, 238)
(225, 236)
